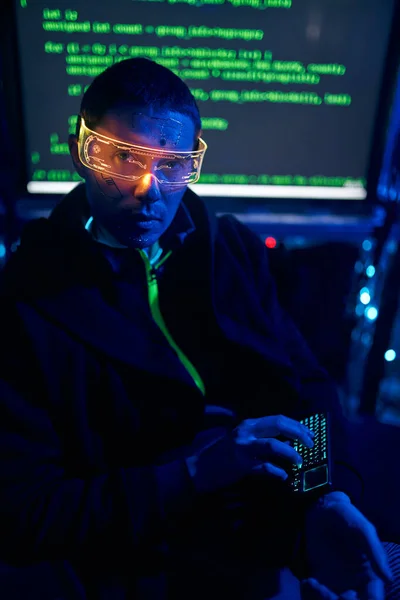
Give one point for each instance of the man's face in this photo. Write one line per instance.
(137, 212)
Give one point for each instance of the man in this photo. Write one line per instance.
(146, 369)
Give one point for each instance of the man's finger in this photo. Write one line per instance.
(368, 538)
(271, 448)
(311, 589)
(279, 425)
(271, 470)
(376, 553)
(374, 590)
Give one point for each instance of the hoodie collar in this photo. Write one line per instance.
(181, 227)
(73, 212)
(76, 258)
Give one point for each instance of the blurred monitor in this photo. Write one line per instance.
(293, 93)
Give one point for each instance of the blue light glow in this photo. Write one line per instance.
(370, 272)
(390, 355)
(365, 298)
(2, 250)
(367, 245)
(371, 313)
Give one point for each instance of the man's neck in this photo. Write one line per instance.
(153, 252)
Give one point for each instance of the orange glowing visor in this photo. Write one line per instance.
(129, 161)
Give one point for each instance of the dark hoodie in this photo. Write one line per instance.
(98, 414)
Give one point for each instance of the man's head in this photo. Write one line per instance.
(136, 102)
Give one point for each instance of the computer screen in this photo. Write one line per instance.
(288, 90)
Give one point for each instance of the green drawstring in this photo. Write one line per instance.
(152, 287)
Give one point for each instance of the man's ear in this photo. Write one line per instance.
(73, 149)
(196, 140)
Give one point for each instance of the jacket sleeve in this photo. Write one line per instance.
(47, 513)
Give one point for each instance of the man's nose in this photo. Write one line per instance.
(147, 188)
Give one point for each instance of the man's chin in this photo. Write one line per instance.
(141, 243)
(139, 240)
(128, 233)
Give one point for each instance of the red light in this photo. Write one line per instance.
(270, 242)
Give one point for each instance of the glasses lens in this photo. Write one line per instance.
(176, 170)
(128, 164)
(115, 160)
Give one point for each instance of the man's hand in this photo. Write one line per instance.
(345, 557)
(257, 439)
(252, 448)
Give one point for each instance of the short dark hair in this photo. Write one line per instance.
(140, 82)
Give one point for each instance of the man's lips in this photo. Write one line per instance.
(139, 216)
(143, 221)
(142, 218)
